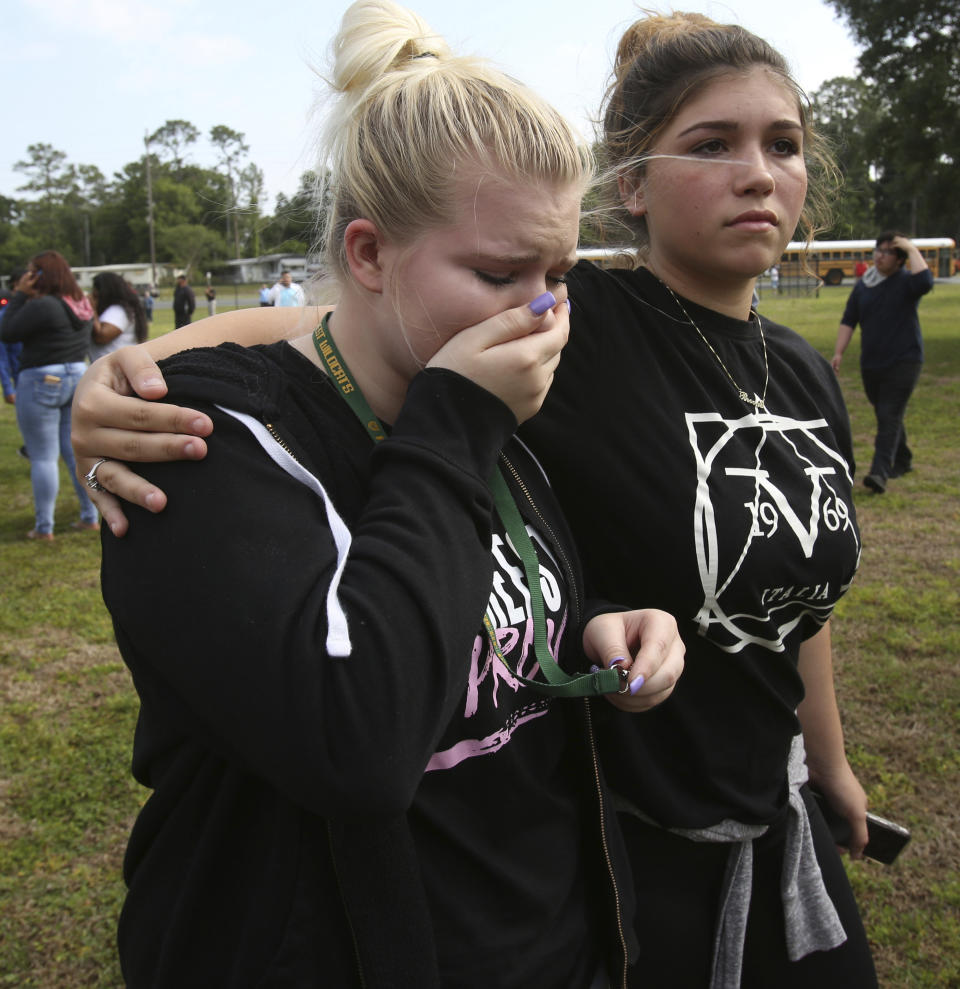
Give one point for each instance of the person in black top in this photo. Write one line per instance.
(722, 493)
(884, 302)
(184, 302)
(361, 773)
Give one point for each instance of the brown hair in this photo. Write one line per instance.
(57, 278)
(662, 62)
(114, 290)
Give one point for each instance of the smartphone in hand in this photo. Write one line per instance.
(885, 842)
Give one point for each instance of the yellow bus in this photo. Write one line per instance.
(834, 260)
(830, 260)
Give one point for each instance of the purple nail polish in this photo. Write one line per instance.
(542, 303)
(569, 306)
(635, 685)
(619, 661)
(594, 668)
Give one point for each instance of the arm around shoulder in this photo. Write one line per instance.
(246, 327)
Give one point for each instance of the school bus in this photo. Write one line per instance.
(834, 260)
(830, 260)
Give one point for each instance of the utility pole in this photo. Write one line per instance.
(153, 250)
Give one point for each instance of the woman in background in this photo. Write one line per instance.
(51, 316)
(120, 320)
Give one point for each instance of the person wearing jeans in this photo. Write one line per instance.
(43, 414)
(52, 317)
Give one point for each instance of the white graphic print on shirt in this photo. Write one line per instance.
(749, 467)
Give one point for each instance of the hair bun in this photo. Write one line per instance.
(408, 116)
(654, 30)
(377, 37)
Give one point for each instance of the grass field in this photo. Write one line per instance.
(67, 709)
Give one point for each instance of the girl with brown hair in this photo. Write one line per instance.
(51, 316)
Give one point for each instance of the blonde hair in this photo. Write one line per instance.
(408, 115)
(662, 62)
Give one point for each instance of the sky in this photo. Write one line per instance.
(93, 77)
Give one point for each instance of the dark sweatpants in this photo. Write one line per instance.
(889, 389)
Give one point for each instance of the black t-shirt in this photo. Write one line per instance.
(503, 879)
(887, 313)
(683, 497)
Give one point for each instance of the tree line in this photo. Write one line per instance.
(895, 130)
(202, 215)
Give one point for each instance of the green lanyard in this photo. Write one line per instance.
(559, 683)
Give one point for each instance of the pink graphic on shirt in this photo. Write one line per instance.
(470, 748)
(509, 613)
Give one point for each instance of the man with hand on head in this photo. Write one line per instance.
(884, 302)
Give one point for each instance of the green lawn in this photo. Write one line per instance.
(67, 710)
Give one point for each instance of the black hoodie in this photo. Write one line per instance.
(301, 646)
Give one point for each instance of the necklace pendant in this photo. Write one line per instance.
(757, 402)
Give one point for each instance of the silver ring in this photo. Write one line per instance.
(91, 476)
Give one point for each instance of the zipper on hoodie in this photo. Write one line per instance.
(346, 911)
(604, 844)
(271, 429)
(591, 741)
(333, 857)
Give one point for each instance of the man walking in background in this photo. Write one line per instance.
(884, 302)
(184, 302)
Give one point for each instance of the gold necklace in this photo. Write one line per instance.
(757, 403)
